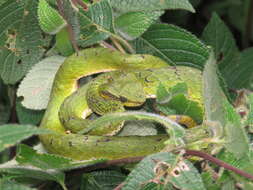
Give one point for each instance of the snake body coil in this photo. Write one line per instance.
(86, 147)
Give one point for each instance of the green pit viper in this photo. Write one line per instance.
(66, 102)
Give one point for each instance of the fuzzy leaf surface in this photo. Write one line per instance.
(10, 134)
(96, 23)
(150, 5)
(187, 178)
(218, 109)
(6, 184)
(21, 39)
(36, 86)
(217, 35)
(17, 171)
(132, 24)
(173, 44)
(102, 180)
(243, 76)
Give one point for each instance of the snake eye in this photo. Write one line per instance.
(122, 99)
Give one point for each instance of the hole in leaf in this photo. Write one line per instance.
(19, 61)
(43, 35)
(175, 172)
(220, 57)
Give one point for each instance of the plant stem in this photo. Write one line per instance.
(107, 45)
(119, 47)
(119, 187)
(69, 27)
(124, 42)
(220, 163)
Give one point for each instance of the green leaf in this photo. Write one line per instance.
(96, 23)
(124, 6)
(50, 19)
(236, 13)
(5, 106)
(163, 96)
(173, 44)
(17, 171)
(174, 102)
(183, 106)
(229, 185)
(243, 76)
(28, 116)
(236, 137)
(36, 86)
(63, 43)
(23, 48)
(245, 164)
(10, 15)
(6, 184)
(11, 134)
(218, 109)
(180, 88)
(209, 181)
(102, 180)
(175, 131)
(217, 35)
(140, 128)
(2, 2)
(154, 186)
(133, 24)
(213, 94)
(9, 61)
(28, 156)
(65, 38)
(185, 176)
(249, 121)
(71, 15)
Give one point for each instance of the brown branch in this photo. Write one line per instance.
(119, 187)
(107, 45)
(69, 27)
(60, 7)
(81, 3)
(129, 160)
(220, 163)
(117, 45)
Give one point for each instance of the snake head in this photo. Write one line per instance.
(124, 87)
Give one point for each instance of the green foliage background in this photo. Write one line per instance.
(181, 32)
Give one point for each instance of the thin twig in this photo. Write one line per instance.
(69, 27)
(107, 45)
(129, 160)
(81, 3)
(117, 44)
(220, 163)
(119, 187)
(124, 42)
